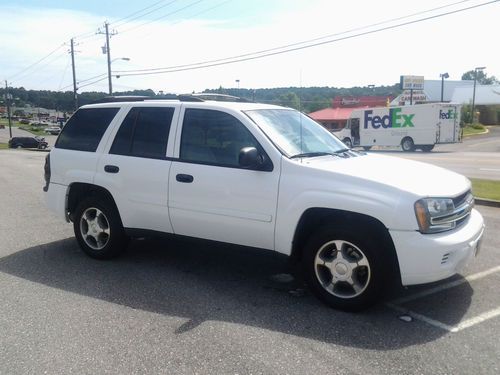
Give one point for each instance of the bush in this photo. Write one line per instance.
(478, 127)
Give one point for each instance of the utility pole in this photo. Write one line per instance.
(106, 49)
(75, 95)
(7, 100)
(109, 59)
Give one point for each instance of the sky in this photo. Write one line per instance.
(35, 37)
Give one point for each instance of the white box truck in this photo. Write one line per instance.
(411, 127)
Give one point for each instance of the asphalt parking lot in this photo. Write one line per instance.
(186, 307)
(477, 156)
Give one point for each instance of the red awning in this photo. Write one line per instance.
(332, 114)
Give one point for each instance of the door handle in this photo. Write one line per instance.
(186, 178)
(111, 169)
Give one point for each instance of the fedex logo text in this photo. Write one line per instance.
(395, 119)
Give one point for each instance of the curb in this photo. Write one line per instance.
(472, 135)
(487, 202)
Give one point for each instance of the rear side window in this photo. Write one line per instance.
(85, 128)
(144, 133)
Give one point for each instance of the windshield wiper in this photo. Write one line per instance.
(311, 155)
(342, 150)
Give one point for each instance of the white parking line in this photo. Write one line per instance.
(478, 319)
(442, 287)
(421, 317)
(453, 329)
(394, 305)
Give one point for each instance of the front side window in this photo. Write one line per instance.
(85, 128)
(294, 133)
(144, 133)
(213, 137)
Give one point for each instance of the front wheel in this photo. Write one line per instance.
(407, 144)
(98, 228)
(347, 142)
(344, 269)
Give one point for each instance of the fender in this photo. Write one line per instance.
(336, 192)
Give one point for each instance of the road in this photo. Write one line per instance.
(186, 307)
(476, 157)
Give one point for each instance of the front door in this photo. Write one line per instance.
(210, 195)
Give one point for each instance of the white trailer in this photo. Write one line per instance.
(412, 127)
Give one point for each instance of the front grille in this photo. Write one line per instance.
(457, 201)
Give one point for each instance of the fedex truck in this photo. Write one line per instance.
(412, 127)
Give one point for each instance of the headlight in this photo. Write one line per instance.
(432, 214)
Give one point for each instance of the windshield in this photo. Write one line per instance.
(294, 133)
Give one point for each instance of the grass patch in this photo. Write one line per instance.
(4, 146)
(488, 189)
(474, 129)
(33, 130)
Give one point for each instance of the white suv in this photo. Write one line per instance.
(261, 176)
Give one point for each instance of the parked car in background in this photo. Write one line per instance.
(28, 142)
(54, 130)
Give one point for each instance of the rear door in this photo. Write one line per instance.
(210, 195)
(135, 169)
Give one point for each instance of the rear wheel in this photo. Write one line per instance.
(344, 269)
(427, 148)
(98, 228)
(407, 144)
(367, 148)
(347, 142)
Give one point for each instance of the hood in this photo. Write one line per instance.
(421, 179)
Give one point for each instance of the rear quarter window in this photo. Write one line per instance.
(85, 128)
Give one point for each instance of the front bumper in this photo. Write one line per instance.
(424, 258)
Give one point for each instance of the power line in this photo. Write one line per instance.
(39, 68)
(85, 80)
(91, 83)
(199, 13)
(38, 61)
(119, 23)
(284, 49)
(159, 18)
(298, 43)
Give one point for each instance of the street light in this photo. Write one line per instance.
(238, 82)
(443, 76)
(109, 72)
(474, 91)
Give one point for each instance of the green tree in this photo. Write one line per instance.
(482, 77)
(289, 99)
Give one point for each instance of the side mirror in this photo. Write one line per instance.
(249, 157)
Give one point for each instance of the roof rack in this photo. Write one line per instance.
(183, 98)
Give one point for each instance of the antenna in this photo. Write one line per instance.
(300, 112)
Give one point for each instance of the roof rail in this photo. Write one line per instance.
(183, 98)
(220, 97)
(125, 98)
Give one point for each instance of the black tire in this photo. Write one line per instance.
(98, 244)
(367, 148)
(407, 144)
(347, 142)
(427, 148)
(369, 279)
